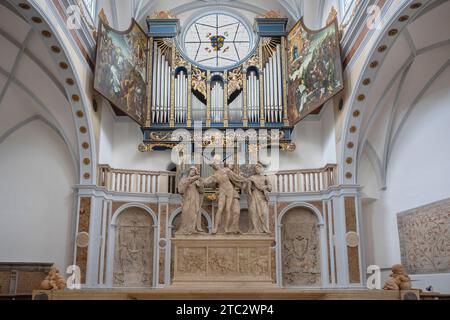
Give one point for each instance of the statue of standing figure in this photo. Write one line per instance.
(191, 188)
(224, 178)
(228, 183)
(257, 190)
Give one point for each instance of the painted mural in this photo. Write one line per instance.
(315, 68)
(120, 72)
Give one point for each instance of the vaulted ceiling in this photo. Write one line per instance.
(417, 61)
(29, 86)
(120, 12)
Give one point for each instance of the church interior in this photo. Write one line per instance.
(290, 149)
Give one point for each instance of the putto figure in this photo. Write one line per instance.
(191, 188)
(398, 280)
(53, 281)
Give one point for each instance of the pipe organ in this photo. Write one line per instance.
(273, 98)
(181, 98)
(253, 97)
(217, 103)
(249, 95)
(162, 72)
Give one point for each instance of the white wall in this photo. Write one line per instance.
(36, 212)
(417, 175)
(127, 137)
(316, 143)
(106, 142)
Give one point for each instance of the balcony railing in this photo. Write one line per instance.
(309, 180)
(136, 181)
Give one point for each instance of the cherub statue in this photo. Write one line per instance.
(398, 280)
(53, 281)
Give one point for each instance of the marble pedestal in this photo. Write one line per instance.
(214, 259)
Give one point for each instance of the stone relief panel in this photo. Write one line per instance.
(133, 252)
(425, 238)
(222, 261)
(300, 248)
(254, 261)
(191, 261)
(175, 225)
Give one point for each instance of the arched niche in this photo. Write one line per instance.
(133, 237)
(300, 239)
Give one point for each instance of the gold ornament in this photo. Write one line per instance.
(235, 81)
(199, 81)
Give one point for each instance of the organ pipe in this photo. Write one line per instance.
(271, 108)
(161, 87)
(273, 102)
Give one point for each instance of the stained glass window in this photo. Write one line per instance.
(217, 40)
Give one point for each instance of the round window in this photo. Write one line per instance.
(217, 41)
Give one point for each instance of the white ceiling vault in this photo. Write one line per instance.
(120, 12)
(27, 75)
(415, 62)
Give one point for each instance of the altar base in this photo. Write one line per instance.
(197, 293)
(207, 259)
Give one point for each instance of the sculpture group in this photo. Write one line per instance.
(228, 184)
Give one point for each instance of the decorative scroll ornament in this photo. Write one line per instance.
(179, 61)
(253, 60)
(146, 147)
(199, 81)
(288, 146)
(163, 14)
(160, 135)
(235, 81)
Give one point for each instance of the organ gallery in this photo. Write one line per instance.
(271, 150)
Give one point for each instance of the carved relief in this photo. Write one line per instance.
(199, 81)
(133, 253)
(179, 60)
(235, 81)
(300, 248)
(206, 258)
(253, 61)
(175, 227)
(191, 261)
(254, 261)
(425, 238)
(222, 261)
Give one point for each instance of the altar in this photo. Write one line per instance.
(246, 259)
